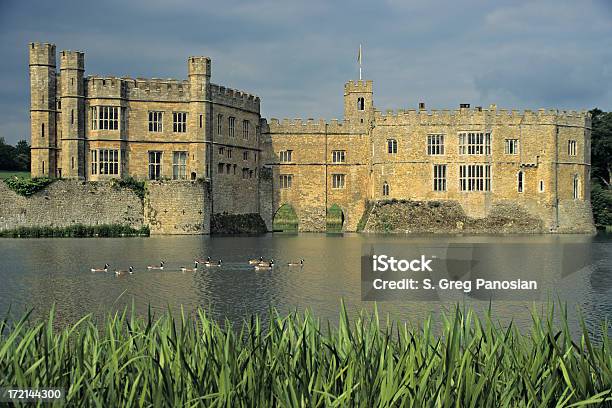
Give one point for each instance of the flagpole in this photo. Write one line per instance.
(360, 62)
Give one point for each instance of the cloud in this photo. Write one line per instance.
(553, 79)
(296, 55)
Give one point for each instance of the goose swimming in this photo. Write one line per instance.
(301, 263)
(161, 266)
(121, 273)
(194, 269)
(105, 269)
(264, 266)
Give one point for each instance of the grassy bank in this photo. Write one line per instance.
(300, 361)
(9, 173)
(76, 231)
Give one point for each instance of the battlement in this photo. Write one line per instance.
(42, 54)
(358, 86)
(198, 66)
(158, 89)
(72, 60)
(479, 115)
(310, 126)
(153, 89)
(234, 98)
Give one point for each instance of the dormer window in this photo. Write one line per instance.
(360, 104)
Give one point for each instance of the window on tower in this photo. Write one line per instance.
(360, 103)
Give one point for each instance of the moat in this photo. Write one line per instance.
(37, 273)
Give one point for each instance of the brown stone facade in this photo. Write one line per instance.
(96, 128)
(537, 161)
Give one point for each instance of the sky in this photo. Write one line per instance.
(297, 55)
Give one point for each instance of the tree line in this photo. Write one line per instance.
(601, 167)
(14, 158)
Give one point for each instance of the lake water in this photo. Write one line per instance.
(37, 273)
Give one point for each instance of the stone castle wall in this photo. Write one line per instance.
(69, 202)
(168, 207)
(312, 169)
(548, 170)
(172, 207)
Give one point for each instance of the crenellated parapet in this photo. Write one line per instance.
(492, 116)
(163, 90)
(311, 126)
(234, 98)
(72, 60)
(42, 54)
(358, 86)
(158, 89)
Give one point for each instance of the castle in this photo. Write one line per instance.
(96, 128)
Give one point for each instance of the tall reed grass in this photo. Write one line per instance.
(298, 360)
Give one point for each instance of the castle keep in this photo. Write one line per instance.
(95, 128)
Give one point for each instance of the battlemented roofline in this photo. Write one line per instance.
(173, 82)
(551, 116)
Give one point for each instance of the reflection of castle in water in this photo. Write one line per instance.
(507, 270)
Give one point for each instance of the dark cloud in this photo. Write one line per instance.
(297, 54)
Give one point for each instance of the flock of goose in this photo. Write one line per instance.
(260, 264)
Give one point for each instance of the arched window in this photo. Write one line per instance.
(360, 103)
(576, 187)
(520, 182)
(391, 146)
(385, 189)
(42, 132)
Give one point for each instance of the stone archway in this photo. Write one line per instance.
(285, 219)
(335, 219)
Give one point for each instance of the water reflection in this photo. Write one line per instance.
(40, 272)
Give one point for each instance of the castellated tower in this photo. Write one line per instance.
(43, 109)
(198, 69)
(358, 102)
(72, 118)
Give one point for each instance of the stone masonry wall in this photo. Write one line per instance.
(68, 202)
(449, 217)
(177, 207)
(169, 207)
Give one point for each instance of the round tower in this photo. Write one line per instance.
(72, 117)
(200, 111)
(43, 112)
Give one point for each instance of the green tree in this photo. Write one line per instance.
(601, 200)
(7, 156)
(601, 147)
(22, 159)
